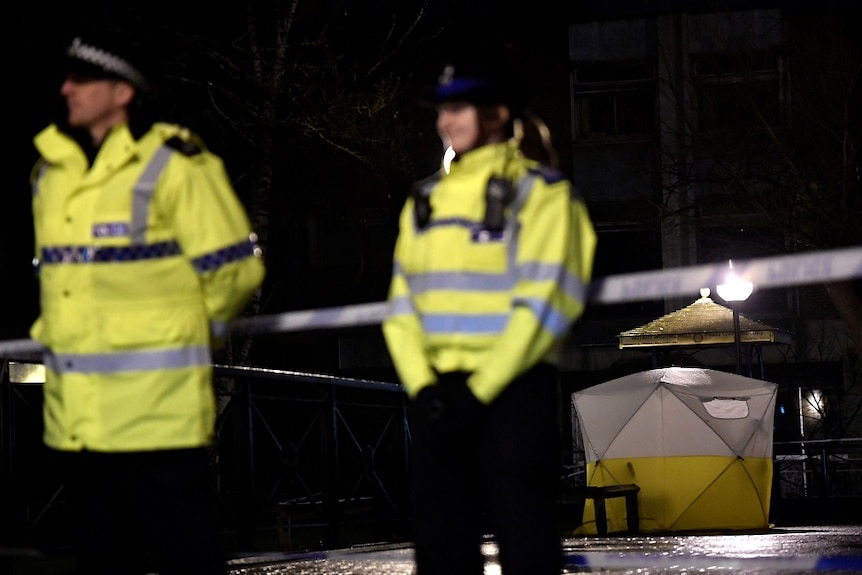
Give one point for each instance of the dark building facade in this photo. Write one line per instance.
(685, 142)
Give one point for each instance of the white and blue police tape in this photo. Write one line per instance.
(598, 560)
(795, 269)
(323, 318)
(711, 563)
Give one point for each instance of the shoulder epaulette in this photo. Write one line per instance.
(185, 147)
(429, 180)
(420, 191)
(547, 173)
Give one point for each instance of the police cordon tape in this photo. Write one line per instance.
(787, 270)
(703, 563)
(601, 560)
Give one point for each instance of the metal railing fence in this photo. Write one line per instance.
(301, 460)
(306, 460)
(819, 468)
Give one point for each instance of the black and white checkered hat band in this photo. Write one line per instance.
(105, 60)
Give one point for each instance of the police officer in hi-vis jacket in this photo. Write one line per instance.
(491, 268)
(143, 253)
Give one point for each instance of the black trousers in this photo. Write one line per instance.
(143, 512)
(502, 477)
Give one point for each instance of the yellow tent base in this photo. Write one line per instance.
(685, 493)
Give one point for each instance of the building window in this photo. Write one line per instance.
(738, 92)
(613, 101)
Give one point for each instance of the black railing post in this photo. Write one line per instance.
(331, 468)
(824, 470)
(7, 497)
(246, 468)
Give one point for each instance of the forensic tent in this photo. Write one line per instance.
(698, 443)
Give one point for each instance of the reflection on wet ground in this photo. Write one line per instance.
(832, 549)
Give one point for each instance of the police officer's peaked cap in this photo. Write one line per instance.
(104, 55)
(479, 77)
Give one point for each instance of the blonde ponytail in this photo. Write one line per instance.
(534, 139)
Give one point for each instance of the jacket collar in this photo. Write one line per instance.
(491, 157)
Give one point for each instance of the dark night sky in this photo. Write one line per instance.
(30, 40)
(37, 35)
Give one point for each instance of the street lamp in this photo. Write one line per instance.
(735, 289)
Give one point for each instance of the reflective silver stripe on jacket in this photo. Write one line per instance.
(513, 227)
(43, 168)
(143, 193)
(146, 360)
(470, 281)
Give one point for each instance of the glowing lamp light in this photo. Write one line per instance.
(734, 288)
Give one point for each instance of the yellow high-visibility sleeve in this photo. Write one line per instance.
(402, 329)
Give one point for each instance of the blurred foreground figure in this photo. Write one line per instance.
(491, 268)
(143, 253)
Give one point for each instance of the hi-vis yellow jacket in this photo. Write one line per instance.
(494, 305)
(142, 259)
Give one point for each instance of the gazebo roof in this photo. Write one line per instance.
(702, 323)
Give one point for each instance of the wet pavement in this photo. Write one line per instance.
(832, 549)
(827, 549)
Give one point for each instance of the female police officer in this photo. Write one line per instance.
(490, 271)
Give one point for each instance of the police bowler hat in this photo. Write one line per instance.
(103, 56)
(479, 78)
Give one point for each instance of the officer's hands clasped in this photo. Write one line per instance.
(448, 409)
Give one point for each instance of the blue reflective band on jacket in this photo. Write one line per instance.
(463, 323)
(549, 318)
(570, 283)
(224, 256)
(98, 254)
(101, 254)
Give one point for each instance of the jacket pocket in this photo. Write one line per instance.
(156, 326)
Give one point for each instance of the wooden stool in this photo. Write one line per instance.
(599, 493)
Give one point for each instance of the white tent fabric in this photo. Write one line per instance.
(697, 441)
